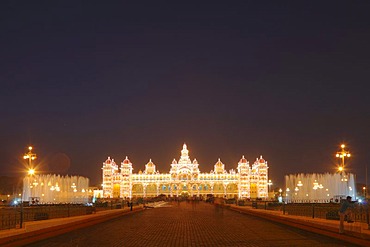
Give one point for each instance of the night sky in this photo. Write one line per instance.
(84, 81)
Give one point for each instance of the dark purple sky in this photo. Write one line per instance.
(82, 82)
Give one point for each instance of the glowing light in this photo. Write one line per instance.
(31, 171)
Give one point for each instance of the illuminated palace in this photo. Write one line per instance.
(185, 179)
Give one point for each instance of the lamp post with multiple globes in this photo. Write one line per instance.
(30, 156)
(31, 171)
(342, 154)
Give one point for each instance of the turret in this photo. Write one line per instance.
(110, 169)
(219, 167)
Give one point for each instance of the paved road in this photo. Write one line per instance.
(189, 224)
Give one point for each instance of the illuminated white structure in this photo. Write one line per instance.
(185, 179)
(319, 187)
(55, 189)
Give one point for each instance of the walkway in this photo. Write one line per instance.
(185, 224)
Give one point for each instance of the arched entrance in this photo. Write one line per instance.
(184, 194)
(137, 190)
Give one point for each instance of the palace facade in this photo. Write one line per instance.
(185, 179)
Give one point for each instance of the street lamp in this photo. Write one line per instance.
(364, 189)
(31, 171)
(287, 194)
(269, 186)
(342, 154)
(269, 183)
(30, 156)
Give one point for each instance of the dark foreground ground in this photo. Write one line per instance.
(189, 224)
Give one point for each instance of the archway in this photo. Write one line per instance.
(137, 190)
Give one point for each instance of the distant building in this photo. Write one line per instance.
(185, 179)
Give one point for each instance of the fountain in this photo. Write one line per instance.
(319, 188)
(46, 189)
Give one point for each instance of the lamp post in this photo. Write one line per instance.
(364, 190)
(269, 187)
(280, 198)
(31, 171)
(287, 195)
(342, 154)
(30, 156)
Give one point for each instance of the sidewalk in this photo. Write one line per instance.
(37, 230)
(356, 233)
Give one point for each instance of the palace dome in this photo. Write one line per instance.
(243, 160)
(150, 167)
(261, 160)
(150, 163)
(219, 167)
(126, 161)
(219, 163)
